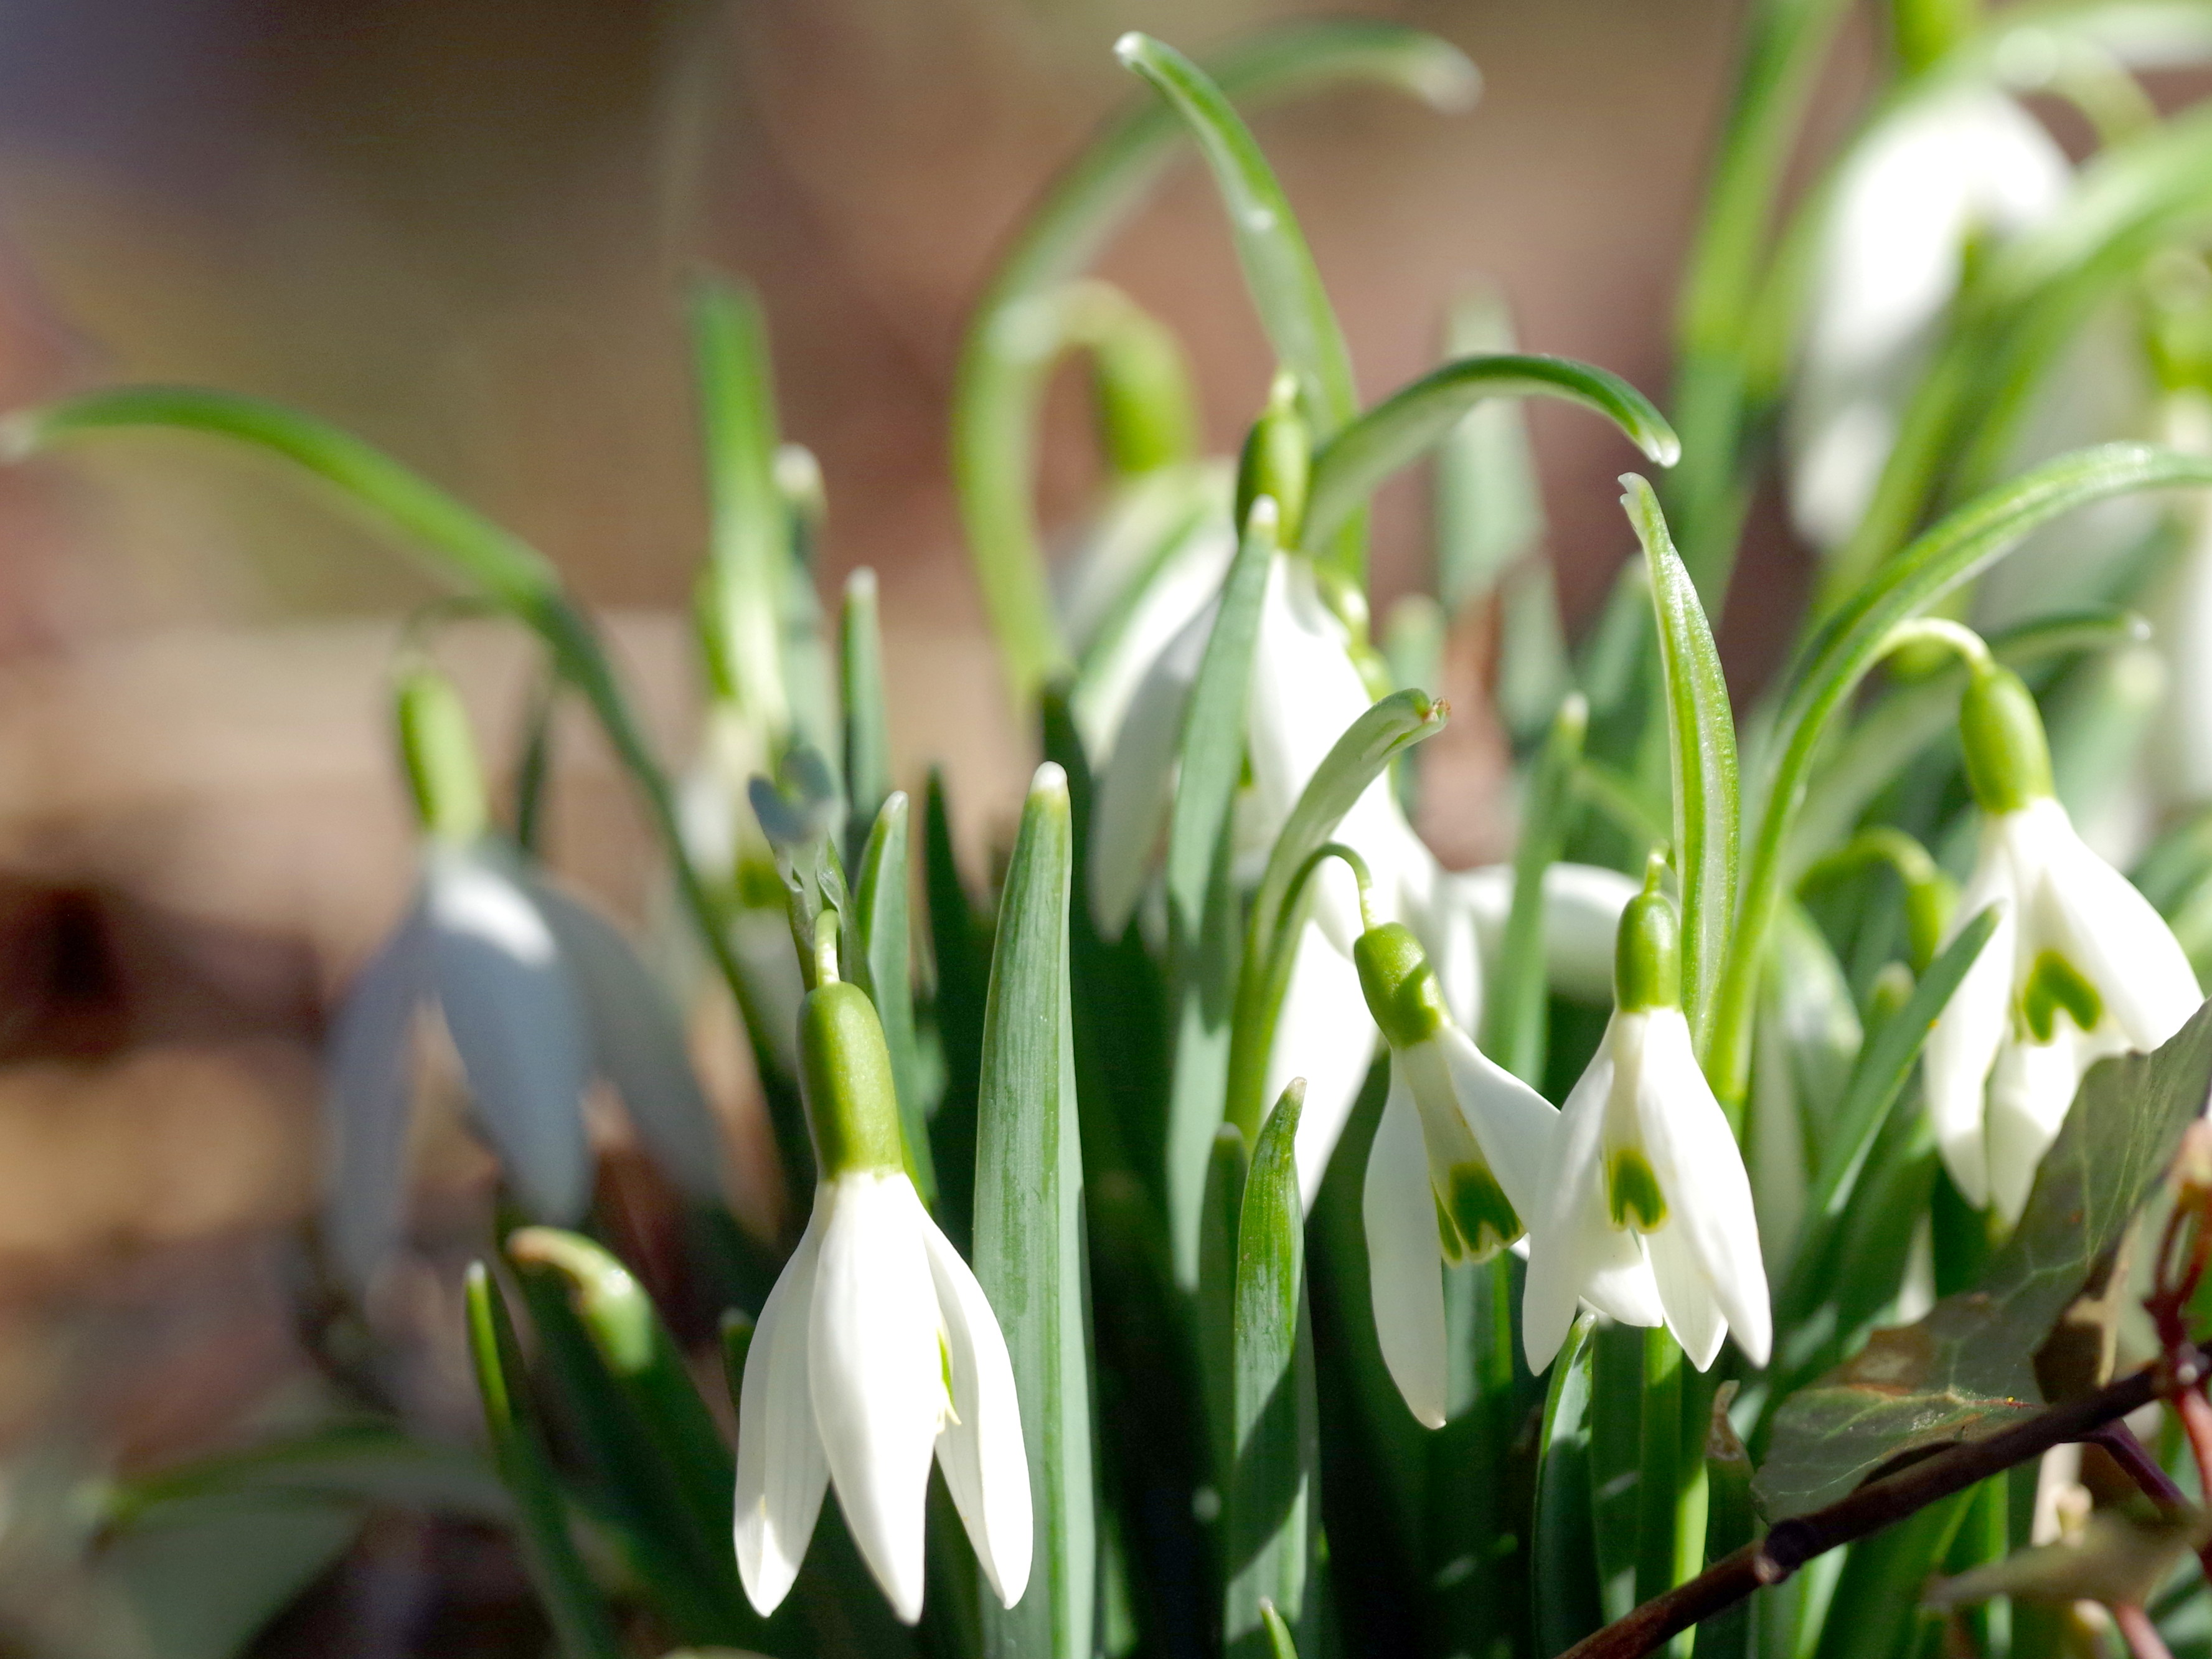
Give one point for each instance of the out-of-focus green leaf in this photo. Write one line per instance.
(1216, 1306)
(1876, 1606)
(202, 1577)
(1852, 641)
(1701, 745)
(884, 957)
(1966, 1370)
(993, 418)
(365, 1461)
(1517, 998)
(1731, 1524)
(1563, 1578)
(960, 943)
(1535, 669)
(1273, 1504)
(1412, 421)
(1810, 1038)
(1489, 507)
(867, 756)
(1356, 759)
(1279, 271)
(1029, 1228)
(578, 1617)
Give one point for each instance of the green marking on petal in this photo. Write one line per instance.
(1454, 1247)
(2054, 984)
(944, 1365)
(1483, 1215)
(1629, 1185)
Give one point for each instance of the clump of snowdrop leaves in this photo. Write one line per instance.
(875, 1352)
(538, 992)
(2078, 966)
(1644, 1177)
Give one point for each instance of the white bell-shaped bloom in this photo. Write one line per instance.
(1963, 162)
(2077, 967)
(876, 1352)
(1457, 1160)
(1643, 1157)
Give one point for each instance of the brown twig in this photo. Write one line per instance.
(1791, 1544)
(2119, 1443)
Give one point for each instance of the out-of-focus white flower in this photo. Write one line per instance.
(537, 991)
(1457, 1160)
(875, 1352)
(2078, 966)
(1644, 1158)
(1953, 166)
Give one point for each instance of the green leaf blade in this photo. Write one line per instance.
(881, 906)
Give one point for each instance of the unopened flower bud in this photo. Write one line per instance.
(1277, 459)
(440, 757)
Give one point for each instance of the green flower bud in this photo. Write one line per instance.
(1140, 386)
(1647, 958)
(1402, 989)
(2007, 757)
(1277, 459)
(845, 1074)
(440, 754)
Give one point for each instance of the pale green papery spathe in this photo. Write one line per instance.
(1644, 1161)
(876, 1352)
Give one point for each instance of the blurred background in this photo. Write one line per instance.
(461, 230)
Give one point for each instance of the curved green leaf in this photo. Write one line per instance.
(994, 450)
(1029, 1228)
(1839, 655)
(880, 907)
(1415, 419)
(1701, 747)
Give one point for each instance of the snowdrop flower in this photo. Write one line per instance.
(2078, 967)
(1963, 162)
(1458, 1159)
(875, 1352)
(537, 991)
(1643, 1160)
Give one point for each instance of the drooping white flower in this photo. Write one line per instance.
(1960, 164)
(1644, 1156)
(875, 1352)
(537, 991)
(1457, 1160)
(2078, 966)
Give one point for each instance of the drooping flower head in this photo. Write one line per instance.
(875, 1352)
(1644, 1161)
(2079, 965)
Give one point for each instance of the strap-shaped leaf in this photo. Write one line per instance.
(1701, 748)
(1279, 269)
(1839, 655)
(1274, 1501)
(994, 400)
(1514, 1018)
(571, 1601)
(1219, 1215)
(867, 723)
(1369, 744)
(960, 946)
(1563, 1578)
(1414, 419)
(1029, 1228)
(881, 906)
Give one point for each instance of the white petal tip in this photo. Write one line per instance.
(1130, 47)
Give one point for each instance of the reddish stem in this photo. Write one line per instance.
(2119, 1443)
(2143, 1639)
(2197, 1422)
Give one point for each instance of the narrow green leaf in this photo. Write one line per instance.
(364, 1461)
(1701, 747)
(1616, 1425)
(1279, 1645)
(880, 905)
(1489, 509)
(1876, 1611)
(1357, 757)
(1225, 1171)
(1414, 419)
(1029, 1229)
(1962, 545)
(867, 723)
(750, 538)
(1666, 1477)
(1563, 1578)
(1272, 1504)
(1514, 1011)
(960, 945)
(572, 1602)
(1279, 270)
(993, 444)
(1201, 902)
(1731, 1524)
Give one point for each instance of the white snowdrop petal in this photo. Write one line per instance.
(1581, 920)
(985, 1460)
(1138, 785)
(1700, 1171)
(1693, 1312)
(1115, 663)
(514, 1017)
(1305, 690)
(638, 1044)
(781, 1469)
(1405, 1259)
(876, 1371)
(1511, 1122)
(1325, 1035)
(1962, 1045)
(1568, 1229)
(368, 1090)
(2115, 939)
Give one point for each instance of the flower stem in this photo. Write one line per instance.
(2142, 1638)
